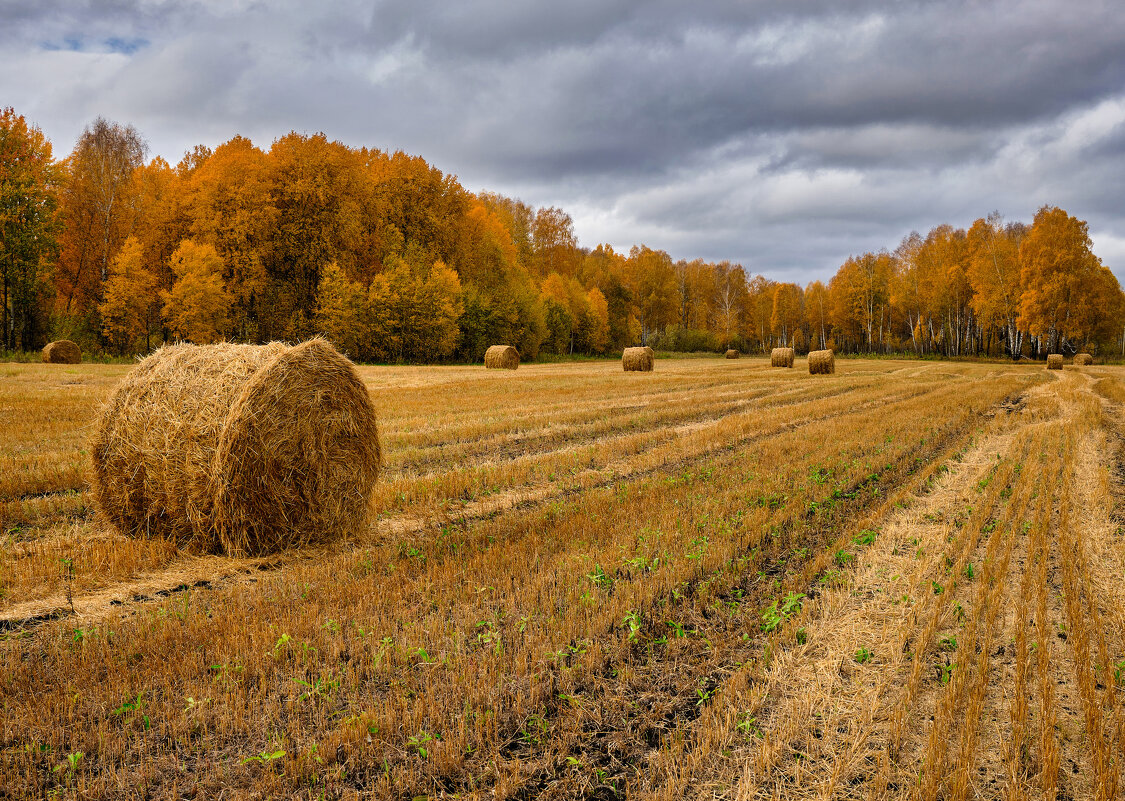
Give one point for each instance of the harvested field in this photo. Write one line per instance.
(900, 580)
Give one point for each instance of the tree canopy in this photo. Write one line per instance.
(396, 261)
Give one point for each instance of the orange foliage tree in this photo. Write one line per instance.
(29, 227)
(97, 203)
(397, 261)
(1063, 280)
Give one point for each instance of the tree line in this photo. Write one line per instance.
(396, 261)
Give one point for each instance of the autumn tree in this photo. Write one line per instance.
(1063, 279)
(518, 219)
(944, 289)
(816, 313)
(342, 313)
(758, 305)
(131, 307)
(906, 291)
(161, 219)
(232, 209)
(438, 307)
(412, 205)
(412, 312)
(606, 270)
(698, 292)
(599, 316)
(554, 245)
(728, 299)
(29, 228)
(787, 314)
(395, 260)
(316, 188)
(1103, 316)
(493, 253)
(557, 312)
(994, 274)
(860, 293)
(97, 205)
(196, 309)
(653, 284)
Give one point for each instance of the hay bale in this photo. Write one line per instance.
(1083, 359)
(733, 354)
(62, 352)
(239, 448)
(781, 357)
(822, 362)
(502, 357)
(638, 360)
(1054, 361)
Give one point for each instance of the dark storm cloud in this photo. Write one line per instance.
(782, 134)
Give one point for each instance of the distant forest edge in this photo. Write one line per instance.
(395, 261)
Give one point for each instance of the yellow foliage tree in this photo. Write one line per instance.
(412, 312)
(787, 314)
(197, 307)
(131, 308)
(994, 273)
(816, 313)
(438, 307)
(599, 312)
(342, 313)
(554, 243)
(652, 280)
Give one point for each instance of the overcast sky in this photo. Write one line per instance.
(784, 135)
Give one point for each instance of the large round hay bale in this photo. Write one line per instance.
(781, 357)
(62, 352)
(502, 357)
(1054, 361)
(245, 449)
(638, 360)
(733, 354)
(1083, 359)
(822, 362)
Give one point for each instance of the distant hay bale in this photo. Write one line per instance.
(502, 357)
(1083, 359)
(651, 352)
(781, 357)
(245, 449)
(1054, 361)
(638, 360)
(822, 362)
(62, 352)
(733, 354)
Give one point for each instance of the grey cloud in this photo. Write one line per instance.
(695, 81)
(782, 134)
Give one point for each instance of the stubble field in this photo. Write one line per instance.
(904, 580)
